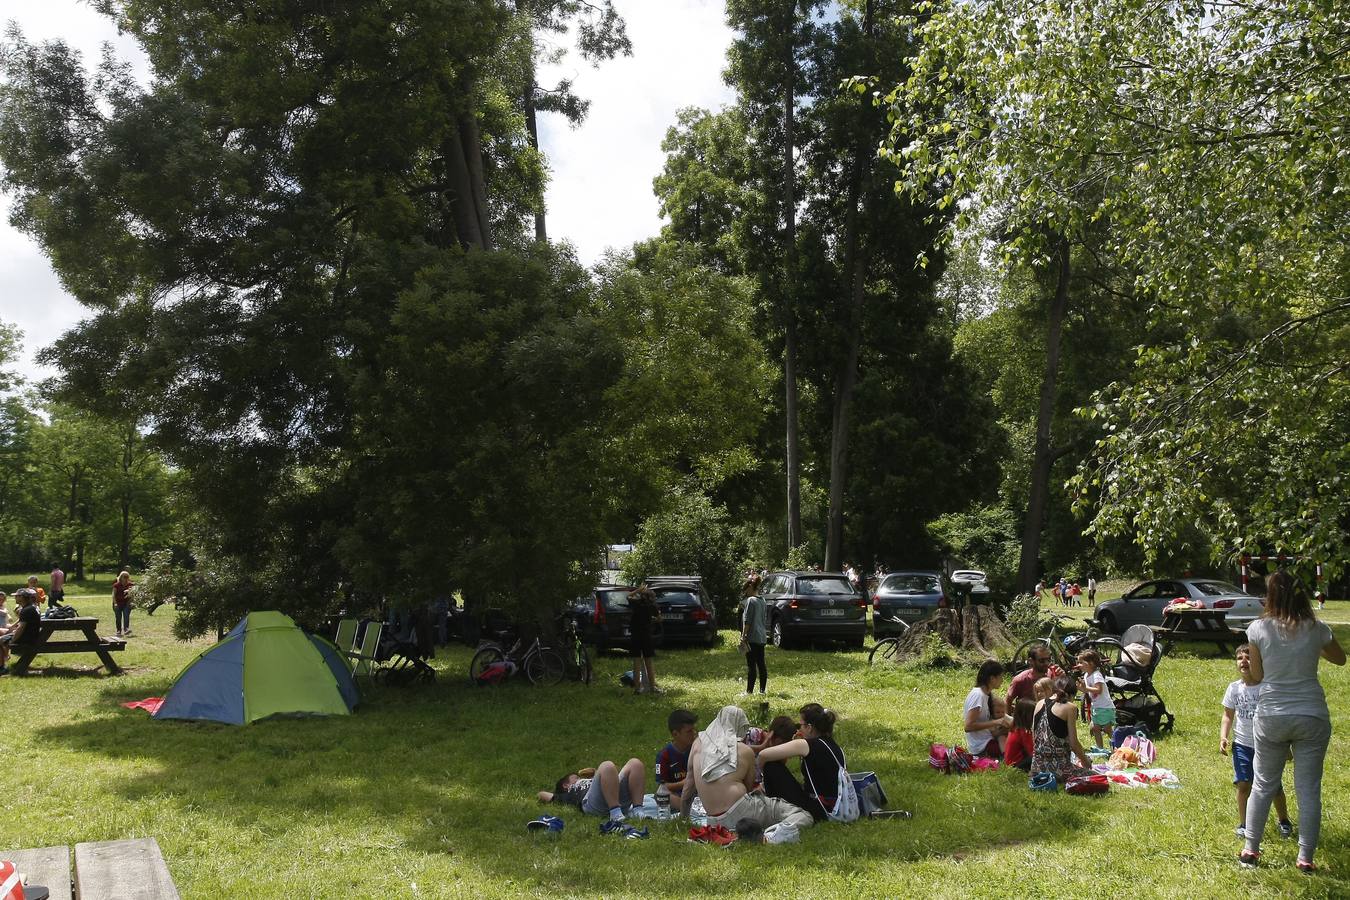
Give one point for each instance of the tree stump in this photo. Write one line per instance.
(970, 629)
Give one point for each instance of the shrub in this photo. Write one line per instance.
(1024, 617)
(690, 535)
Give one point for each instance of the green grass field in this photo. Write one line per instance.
(426, 792)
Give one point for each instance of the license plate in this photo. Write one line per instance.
(672, 617)
(838, 613)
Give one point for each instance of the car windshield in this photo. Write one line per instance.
(824, 585)
(1215, 588)
(910, 584)
(677, 597)
(616, 599)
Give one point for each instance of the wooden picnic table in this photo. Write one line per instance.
(92, 643)
(1210, 625)
(104, 870)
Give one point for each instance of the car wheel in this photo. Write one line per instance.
(1108, 622)
(778, 638)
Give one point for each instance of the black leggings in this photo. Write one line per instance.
(754, 661)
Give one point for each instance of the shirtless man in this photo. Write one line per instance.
(722, 769)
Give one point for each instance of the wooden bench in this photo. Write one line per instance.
(92, 643)
(105, 870)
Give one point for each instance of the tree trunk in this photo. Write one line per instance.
(128, 457)
(532, 126)
(1043, 458)
(473, 155)
(794, 492)
(464, 216)
(855, 268)
(79, 560)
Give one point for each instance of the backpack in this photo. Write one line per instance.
(939, 757)
(961, 761)
(495, 673)
(871, 795)
(846, 801)
(60, 612)
(1140, 743)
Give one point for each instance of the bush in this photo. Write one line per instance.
(1024, 617)
(984, 537)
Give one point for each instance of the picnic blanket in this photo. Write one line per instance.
(149, 704)
(1138, 777)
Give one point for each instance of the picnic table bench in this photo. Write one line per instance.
(1210, 625)
(104, 870)
(92, 643)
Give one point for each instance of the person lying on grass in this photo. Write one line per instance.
(604, 790)
(722, 772)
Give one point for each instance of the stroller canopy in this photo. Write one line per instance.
(266, 666)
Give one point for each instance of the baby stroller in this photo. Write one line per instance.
(1130, 679)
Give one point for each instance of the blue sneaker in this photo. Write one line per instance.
(550, 824)
(617, 826)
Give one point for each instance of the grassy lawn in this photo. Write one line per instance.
(425, 792)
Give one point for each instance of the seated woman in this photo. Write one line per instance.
(1054, 732)
(985, 731)
(821, 760)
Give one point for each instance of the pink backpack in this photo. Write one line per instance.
(938, 757)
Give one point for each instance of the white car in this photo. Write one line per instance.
(1143, 604)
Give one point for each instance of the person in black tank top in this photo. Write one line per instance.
(821, 759)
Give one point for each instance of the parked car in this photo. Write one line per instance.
(687, 612)
(1143, 604)
(814, 606)
(602, 618)
(972, 582)
(908, 596)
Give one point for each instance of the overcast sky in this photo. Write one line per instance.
(600, 193)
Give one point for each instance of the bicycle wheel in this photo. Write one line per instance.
(885, 651)
(482, 659)
(583, 665)
(544, 666)
(1021, 659)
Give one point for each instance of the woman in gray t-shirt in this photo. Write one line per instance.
(1286, 644)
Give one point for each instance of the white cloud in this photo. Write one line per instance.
(600, 194)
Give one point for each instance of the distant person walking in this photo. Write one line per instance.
(1092, 590)
(122, 603)
(1286, 644)
(58, 587)
(754, 635)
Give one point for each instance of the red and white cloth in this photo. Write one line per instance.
(11, 885)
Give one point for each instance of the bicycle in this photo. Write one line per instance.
(540, 663)
(576, 658)
(887, 648)
(1064, 647)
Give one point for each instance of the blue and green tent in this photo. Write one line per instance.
(266, 666)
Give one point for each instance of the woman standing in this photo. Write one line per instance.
(122, 603)
(821, 758)
(754, 635)
(641, 611)
(1286, 644)
(985, 732)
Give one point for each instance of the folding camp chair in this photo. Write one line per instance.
(346, 636)
(365, 657)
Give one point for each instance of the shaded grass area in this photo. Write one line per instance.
(425, 792)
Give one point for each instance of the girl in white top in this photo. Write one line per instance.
(1093, 685)
(986, 733)
(1286, 644)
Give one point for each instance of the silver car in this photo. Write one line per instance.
(1143, 605)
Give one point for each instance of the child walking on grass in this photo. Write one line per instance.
(1240, 707)
(1093, 686)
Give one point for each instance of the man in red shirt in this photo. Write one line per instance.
(1024, 682)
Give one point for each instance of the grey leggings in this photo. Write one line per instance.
(1308, 736)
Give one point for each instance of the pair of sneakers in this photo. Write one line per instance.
(1286, 830)
(620, 827)
(720, 835)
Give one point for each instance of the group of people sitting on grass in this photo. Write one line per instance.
(1034, 726)
(730, 773)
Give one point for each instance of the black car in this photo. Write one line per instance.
(908, 596)
(814, 606)
(602, 618)
(686, 610)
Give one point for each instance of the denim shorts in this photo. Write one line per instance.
(1242, 763)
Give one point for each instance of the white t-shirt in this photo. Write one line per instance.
(1102, 700)
(1244, 699)
(976, 741)
(1092, 584)
(1289, 662)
